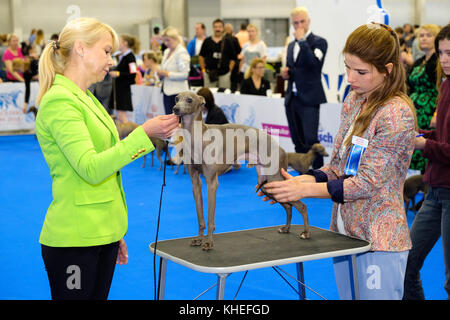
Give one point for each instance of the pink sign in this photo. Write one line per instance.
(275, 129)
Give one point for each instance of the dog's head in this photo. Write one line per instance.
(188, 103)
(319, 149)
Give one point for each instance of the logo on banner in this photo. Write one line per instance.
(9, 100)
(233, 114)
(325, 137)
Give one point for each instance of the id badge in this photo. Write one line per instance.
(354, 158)
(132, 67)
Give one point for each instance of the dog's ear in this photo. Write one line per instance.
(202, 101)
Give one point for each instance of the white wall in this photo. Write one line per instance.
(256, 8)
(437, 12)
(400, 11)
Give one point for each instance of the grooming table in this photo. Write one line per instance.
(259, 248)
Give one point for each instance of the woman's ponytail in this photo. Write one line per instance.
(48, 68)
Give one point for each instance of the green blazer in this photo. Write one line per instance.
(84, 153)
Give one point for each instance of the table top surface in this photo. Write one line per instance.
(259, 248)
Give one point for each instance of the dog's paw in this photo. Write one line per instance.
(304, 235)
(207, 245)
(284, 229)
(196, 242)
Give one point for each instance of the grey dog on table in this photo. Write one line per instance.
(211, 150)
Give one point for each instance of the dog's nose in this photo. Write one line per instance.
(176, 110)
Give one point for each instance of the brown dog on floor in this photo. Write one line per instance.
(412, 186)
(303, 161)
(225, 146)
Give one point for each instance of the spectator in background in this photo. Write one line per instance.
(242, 35)
(211, 113)
(236, 76)
(217, 58)
(32, 37)
(195, 44)
(156, 41)
(54, 37)
(39, 43)
(433, 219)
(30, 72)
(399, 32)
(194, 47)
(174, 69)
(254, 82)
(408, 35)
(304, 94)
(422, 87)
(124, 75)
(254, 48)
(151, 62)
(12, 52)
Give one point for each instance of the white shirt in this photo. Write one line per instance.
(317, 52)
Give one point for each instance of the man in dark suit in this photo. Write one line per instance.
(304, 94)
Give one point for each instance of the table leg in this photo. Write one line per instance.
(220, 293)
(353, 277)
(301, 279)
(162, 278)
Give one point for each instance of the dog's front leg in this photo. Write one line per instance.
(212, 184)
(197, 191)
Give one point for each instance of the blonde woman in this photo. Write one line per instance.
(174, 69)
(254, 83)
(253, 48)
(82, 235)
(13, 52)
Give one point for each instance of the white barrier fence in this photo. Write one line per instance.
(12, 96)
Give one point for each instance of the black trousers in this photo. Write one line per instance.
(80, 273)
(169, 103)
(303, 121)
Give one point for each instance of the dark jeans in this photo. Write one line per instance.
(80, 273)
(432, 221)
(169, 103)
(303, 124)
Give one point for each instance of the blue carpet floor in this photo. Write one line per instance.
(25, 193)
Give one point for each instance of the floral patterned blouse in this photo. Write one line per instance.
(371, 202)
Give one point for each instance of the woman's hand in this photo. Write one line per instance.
(291, 189)
(419, 143)
(162, 73)
(122, 254)
(162, 126)
(433, 122)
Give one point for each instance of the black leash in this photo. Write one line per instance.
(157, 226)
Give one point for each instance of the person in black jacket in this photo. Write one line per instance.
(254, 83)
(124, 76)
(211, 113)
(304, 94)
